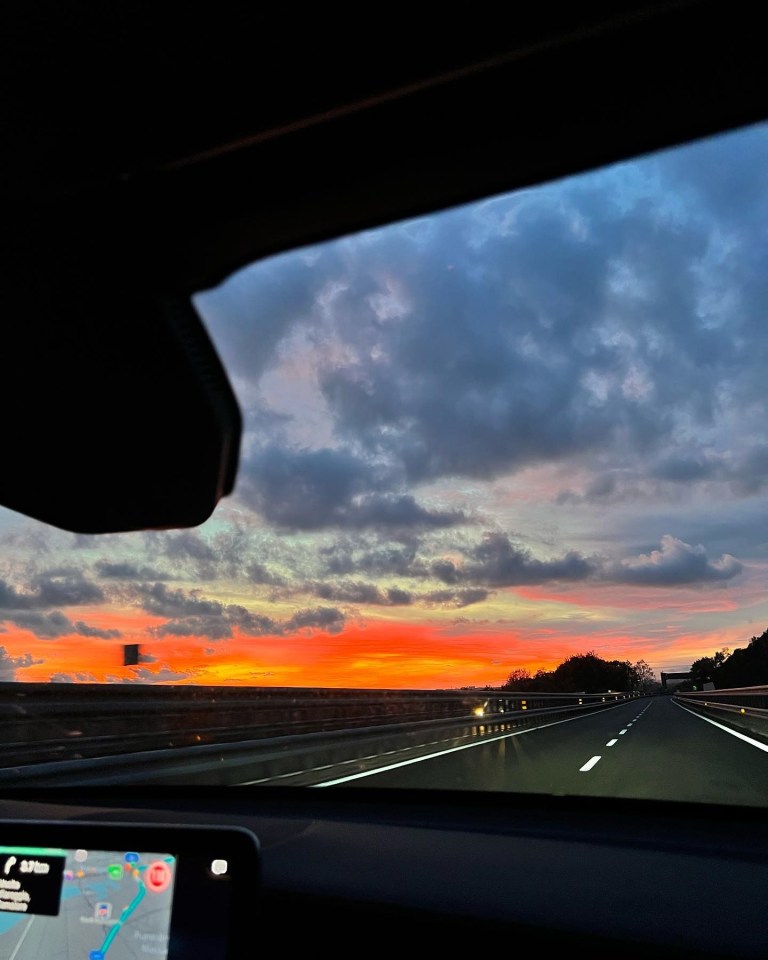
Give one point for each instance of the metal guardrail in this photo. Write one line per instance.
(259, 733)
(742, 707)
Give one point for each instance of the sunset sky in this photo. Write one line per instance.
(478, 441)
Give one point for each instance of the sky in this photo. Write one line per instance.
(476, 442)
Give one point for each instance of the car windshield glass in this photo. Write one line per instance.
(499, 521)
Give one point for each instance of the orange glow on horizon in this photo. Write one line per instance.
(374, 654)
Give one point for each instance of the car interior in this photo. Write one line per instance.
(150, 152)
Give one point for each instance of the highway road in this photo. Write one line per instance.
(647, 748)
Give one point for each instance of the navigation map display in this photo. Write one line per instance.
(85, 903)
(126, 902)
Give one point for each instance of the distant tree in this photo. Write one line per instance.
(745, 666)
(592, 674)
(644, 678)
(519, 679)
(585, 672)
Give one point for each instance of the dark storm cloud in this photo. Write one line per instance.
(315, 489)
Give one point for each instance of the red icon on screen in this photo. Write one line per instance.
(157, 876)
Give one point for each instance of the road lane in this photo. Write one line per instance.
(651, 748)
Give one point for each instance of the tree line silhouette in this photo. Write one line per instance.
(589, 673)
(586, 673)
(742, 667)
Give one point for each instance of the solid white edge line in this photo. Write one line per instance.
(735, 733)
(442, 753)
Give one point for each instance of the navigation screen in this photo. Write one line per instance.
(85, 904)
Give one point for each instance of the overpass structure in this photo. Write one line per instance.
(674, 676)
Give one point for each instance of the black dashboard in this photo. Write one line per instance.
(470, 872)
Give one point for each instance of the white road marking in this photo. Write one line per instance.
(440, 753)
(589, 764)
(611, 742)
(734, 733)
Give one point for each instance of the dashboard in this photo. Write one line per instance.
(467, 872)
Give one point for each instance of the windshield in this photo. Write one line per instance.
(499, 522)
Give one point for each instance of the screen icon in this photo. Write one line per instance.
(115, 871)
(157, 876)
(8, 865)
(103, 910)
(219, 867)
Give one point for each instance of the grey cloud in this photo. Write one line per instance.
(73, 678)
(50, 591)
(496, 561)
(67, 591)
(322, 618)
(160, 600)
(399, 597)
(675, 563)
(350, 592)
(315, 489)
(47, 626)
(192, 615)
(350, 556)
(251, 312)
(186, 544)
(259, 573)
(12, 599)
(457, 598)
(304, 489)
(86, 631)
(361, 592)
(142, 675)
(10, 664)
(128, 571)
(212, 627)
